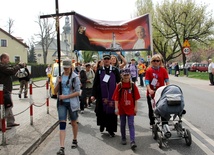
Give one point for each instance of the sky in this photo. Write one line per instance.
(25, 12)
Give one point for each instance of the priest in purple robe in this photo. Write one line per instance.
(105, 81)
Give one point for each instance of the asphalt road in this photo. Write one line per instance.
(199, 106)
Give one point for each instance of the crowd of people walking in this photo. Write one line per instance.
(111, 85)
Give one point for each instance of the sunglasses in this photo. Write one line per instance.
(125, 74)
(155, 60)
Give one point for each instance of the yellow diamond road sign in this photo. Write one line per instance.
(186, 43)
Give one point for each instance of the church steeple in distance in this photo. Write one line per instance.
(67, 27)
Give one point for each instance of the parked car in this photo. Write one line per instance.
(199, 67)
(202, 67)
(193, 67)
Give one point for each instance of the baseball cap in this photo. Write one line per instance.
(125, 71)
(88, 64)
(66, 63)
(106, 56)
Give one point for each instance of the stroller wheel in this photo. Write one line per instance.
(188, 137)
(154, 131)
(159, 140)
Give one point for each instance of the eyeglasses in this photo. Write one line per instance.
(155, 60)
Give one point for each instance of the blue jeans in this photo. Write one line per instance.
(131, 127)
(64, 111)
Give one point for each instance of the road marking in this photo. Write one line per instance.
(197, 141)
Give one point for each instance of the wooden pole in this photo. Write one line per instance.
(58, 43)
(58, 34)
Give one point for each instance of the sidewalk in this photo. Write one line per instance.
(23, 139)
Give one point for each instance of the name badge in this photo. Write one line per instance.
(106, 78)
(154, 81)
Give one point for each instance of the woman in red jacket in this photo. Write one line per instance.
(156, 76)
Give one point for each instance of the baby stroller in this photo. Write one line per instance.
(168, 111)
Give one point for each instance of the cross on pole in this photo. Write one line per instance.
(57, 15)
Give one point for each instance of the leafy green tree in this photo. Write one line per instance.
(87, 56)
(174, 21)
(184, 20)
(144, 7)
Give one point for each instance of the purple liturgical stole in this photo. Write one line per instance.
(107, 90)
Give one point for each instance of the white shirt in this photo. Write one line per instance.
(210, 67)
(48, 70)
(140, 44)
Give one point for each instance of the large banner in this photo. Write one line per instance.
(99, 35)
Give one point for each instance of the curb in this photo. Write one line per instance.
(34, 146)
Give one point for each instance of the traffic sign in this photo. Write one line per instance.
(186, 50)
(186, 43)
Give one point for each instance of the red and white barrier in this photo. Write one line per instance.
(2, 110)
(2, 117)
(47, 97)
(31, 103)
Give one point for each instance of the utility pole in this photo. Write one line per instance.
(56, 16)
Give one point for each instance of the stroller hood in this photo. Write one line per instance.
(169, 100)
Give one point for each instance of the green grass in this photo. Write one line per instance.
(33, 79)
(196, 75)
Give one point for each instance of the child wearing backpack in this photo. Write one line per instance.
(126, 95)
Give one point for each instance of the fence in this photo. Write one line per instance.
(3, 116)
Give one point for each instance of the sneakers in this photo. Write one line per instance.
(133, 145)
(25, 96)
(20, 96)
(74, 144)
(81, 112)
(123, 142)
(61, 151)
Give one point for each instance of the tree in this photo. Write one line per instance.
(87, 56)
(32, 55)
(144, 7)
(177, 20)
(184, 20)
(45, 36)
(10, 25)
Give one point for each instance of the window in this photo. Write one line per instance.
(17, 59)
(3, 43)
